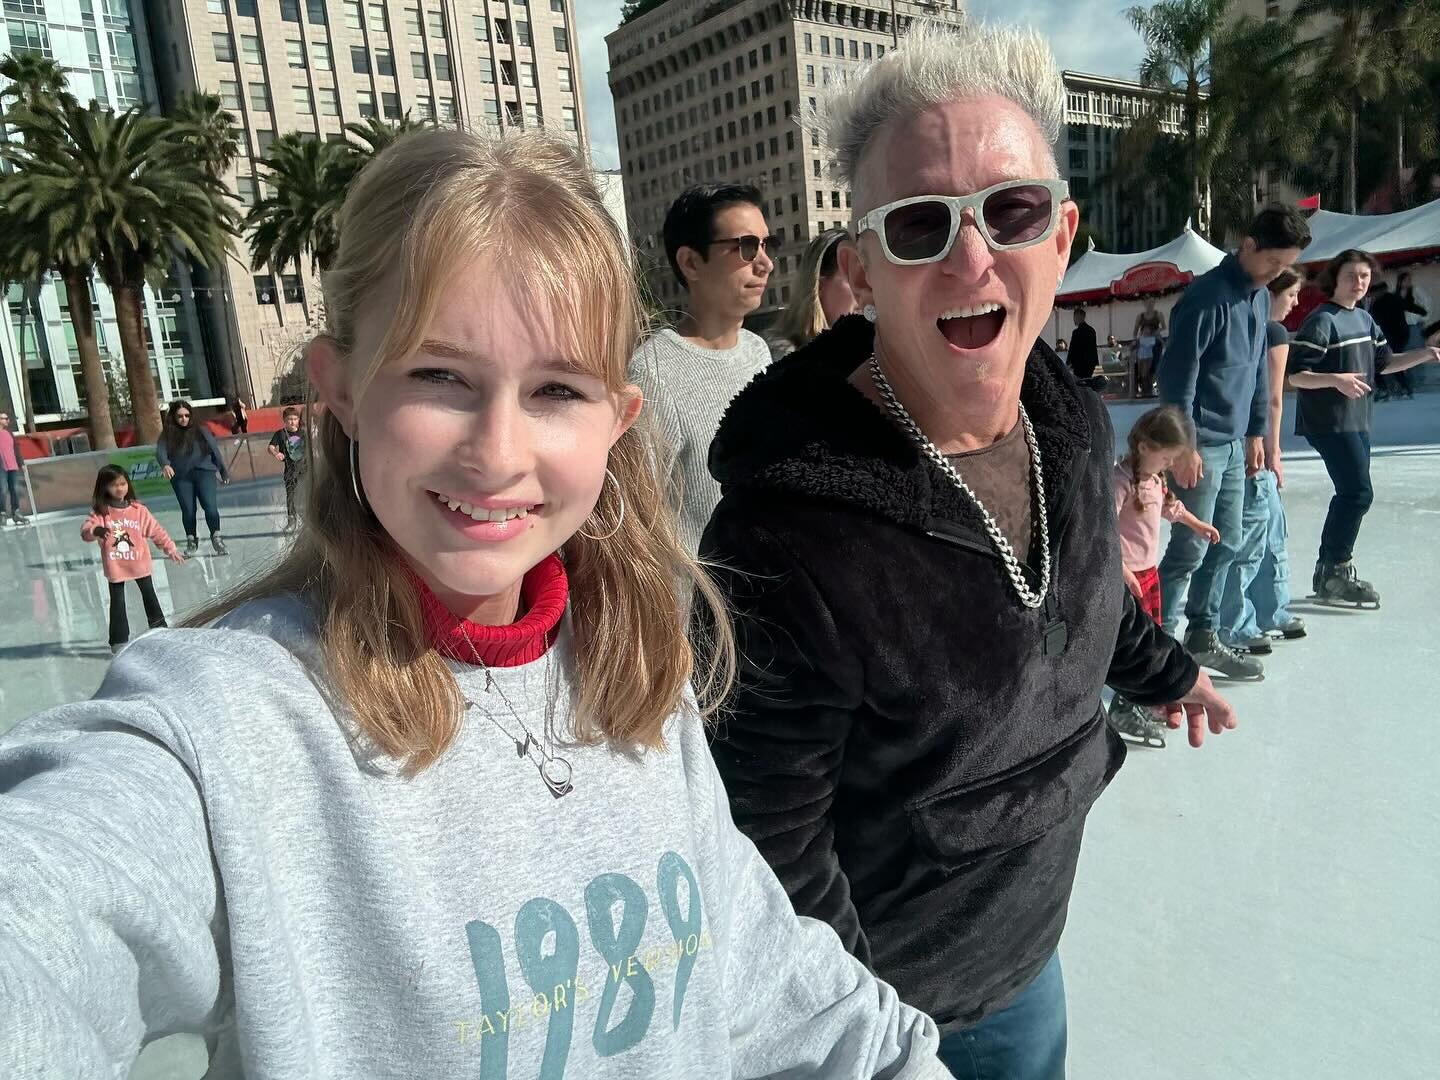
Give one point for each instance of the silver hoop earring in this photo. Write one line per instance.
(620, 519)
(355, 473)
(870, 313)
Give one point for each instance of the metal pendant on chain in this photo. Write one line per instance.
(1054, 633)
(555, 771)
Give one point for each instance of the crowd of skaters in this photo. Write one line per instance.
(454, 806)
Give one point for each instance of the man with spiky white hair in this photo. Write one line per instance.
(918, 539)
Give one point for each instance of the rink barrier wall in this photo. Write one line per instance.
(66, 484)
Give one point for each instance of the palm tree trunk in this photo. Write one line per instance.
(144, 401)
(92, 368)
(1352, 176)
(1400, 189)
(27, 407)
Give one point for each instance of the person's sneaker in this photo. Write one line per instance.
(192, 545)
(1292, 629)
(1209, 651)
(218, 544)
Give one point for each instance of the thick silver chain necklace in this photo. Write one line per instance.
(555, 770)
(1031, 598)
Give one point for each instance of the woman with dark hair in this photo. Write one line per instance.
(239, 414)
(190, 458)
(822, 295)
(1333, 363)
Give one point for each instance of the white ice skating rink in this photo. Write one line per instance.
(1267, 907)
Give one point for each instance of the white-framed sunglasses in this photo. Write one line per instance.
(1011, 215)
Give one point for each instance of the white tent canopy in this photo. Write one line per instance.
(1101, 277)
(1379, 234)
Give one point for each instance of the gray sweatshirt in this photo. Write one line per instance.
(687, 390)
(202, 848)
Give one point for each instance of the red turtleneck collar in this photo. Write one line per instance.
(543, 595)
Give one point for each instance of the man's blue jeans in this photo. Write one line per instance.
(1219, 498)
(1257, 593)
(1023, 1041)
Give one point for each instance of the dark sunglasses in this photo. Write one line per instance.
(1011, 215)
(749, 245)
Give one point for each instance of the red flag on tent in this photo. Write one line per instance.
(1311, 203)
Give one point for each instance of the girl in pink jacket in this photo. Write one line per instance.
(121, 525)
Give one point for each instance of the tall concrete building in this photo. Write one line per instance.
(316, 65)
(1097, 109)
(104, 46)
(708, 91)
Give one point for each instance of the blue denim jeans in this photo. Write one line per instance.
(1257, 592)
(1347, 459)
(1023, 1041)
(198, 485)
(1218, 498)
(12, 486)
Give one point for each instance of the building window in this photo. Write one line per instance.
(379, 21)
(482, 28)
(512, 114)
(522, 33)
(869, 52)
(264, 139)
(809, 74)
(385, 62)
(532, 114)
(354, 15)
(359, 60)
(487, 70)
(824, 45)
(502, 31)
(562, 40)
(492, 111)
(304, 103)
(264, 289)
(413, 26)
(809, 43)
(294, 53)
(567, 80)
(435, 21)
(569, 118)
(224, 47)
(247, 190)
(447, 110)
(290, 10)
(442, 68)
(320, 56)
(366, 101)
(230, 94)
(835, 200)
(527, 75)
(418, 67)
(246, 9)
(819, 200)
(425, 107)
(259, 97)
(1079, 158)
(329, 101)
(215, 7)
(391, 102)
(250, 49)
(557, 6)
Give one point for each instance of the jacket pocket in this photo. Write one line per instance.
(1008, 811)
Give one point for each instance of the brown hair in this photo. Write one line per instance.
(1165, 428)
(289, 411)
(431, 202)
(1286, 279)
(804, 318)
(1330, 275)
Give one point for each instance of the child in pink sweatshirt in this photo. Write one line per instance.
(122, 527)
(1156, 442)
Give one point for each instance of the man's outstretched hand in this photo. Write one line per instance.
(1201, 706)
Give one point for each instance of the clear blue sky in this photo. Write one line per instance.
(1087, 35)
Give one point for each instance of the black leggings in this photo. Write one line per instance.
(119, 623)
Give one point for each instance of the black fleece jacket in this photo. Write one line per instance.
(903, 748)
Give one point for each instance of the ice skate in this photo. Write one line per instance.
(1292, 629)
(1259, 645)
(192, 545)
(1209, 651)
(1337, 583)
(16, 519)
(218, 544)
(1135, 724)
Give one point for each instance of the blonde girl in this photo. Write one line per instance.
(450, 810)
(822, 295)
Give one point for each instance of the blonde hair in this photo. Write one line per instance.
(432, 203)
(804, 318)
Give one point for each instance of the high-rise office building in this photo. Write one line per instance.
(1098, 109)
(711, 92)
(104, 47)
(316, 65)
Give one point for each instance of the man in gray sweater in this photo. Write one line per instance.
(719, 248)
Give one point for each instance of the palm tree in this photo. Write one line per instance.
(148, 198)
(1178, 35)
(204, 125)
(307, 180)
(374, 134)
(32, 77)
